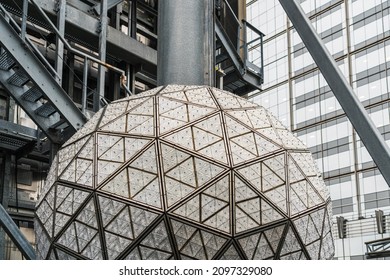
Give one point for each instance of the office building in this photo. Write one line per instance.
(356, 33)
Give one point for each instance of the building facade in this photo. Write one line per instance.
(356, 33)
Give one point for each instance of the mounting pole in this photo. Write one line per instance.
(351, 105)
(185, 42)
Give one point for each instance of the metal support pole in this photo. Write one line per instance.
(85, 86)
(351, 105)
(132, 19)
(5, 181)
(70, 75)
(59, 63)
(24, 19)
(186, 42)
(102, 56)
(130, 81)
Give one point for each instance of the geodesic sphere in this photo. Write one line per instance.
(184, 172)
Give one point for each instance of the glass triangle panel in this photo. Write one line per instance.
(176, 190)
(217, 151)
(69, 238)
(138, 180)
(158, 238)
(249, 245)
(141, 219)
(182, 232)
(210, 206)
(243, 191)
(150, 194)
(194, 247)
(274, 236)
(88, 214)
(201, 97)
(115, 244)
(147, 161)
(109, 208)
(118, 185)
(258, 118)
(290, 243)
(314, 250)
(212, 243)
(106, 169)
(172, 157)
(113, 111)
(93, 251)
(84, 234)
(278, 197)
(231, 254)
(190, 209)
(140, 125)
(268, 213)
(263, 250)
(121, 224)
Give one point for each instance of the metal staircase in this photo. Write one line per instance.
(27, 79)
(242, 63)
(241, 75)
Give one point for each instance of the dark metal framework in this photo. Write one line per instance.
(184, 172)
(378, 248)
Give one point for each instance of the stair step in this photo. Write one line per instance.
(32, 95)
(45, 110)
(61, 122)
(6, 61)
(19, 78)
(221, 58)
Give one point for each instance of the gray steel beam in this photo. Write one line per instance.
(59, 60)
(230, 49)
(82, 26)
(184, 47)
(351, 105)
(14, 233)
(102, 56)
(11, 41)
(42, 122)
(5, 181)
(110, 4)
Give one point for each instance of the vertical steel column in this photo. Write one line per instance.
(24, 19)
(351, 105)
(132, 32)
(5, 181)
(102, 56)
(186, 42)
(84, 92)
(132, 18)
(70, 75)
(59, 61)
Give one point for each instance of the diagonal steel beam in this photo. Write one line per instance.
(31, 65)
(14, 233)
(351, 105)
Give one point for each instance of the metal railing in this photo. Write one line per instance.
(86, 57)
(253, 48)
(378, 248)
